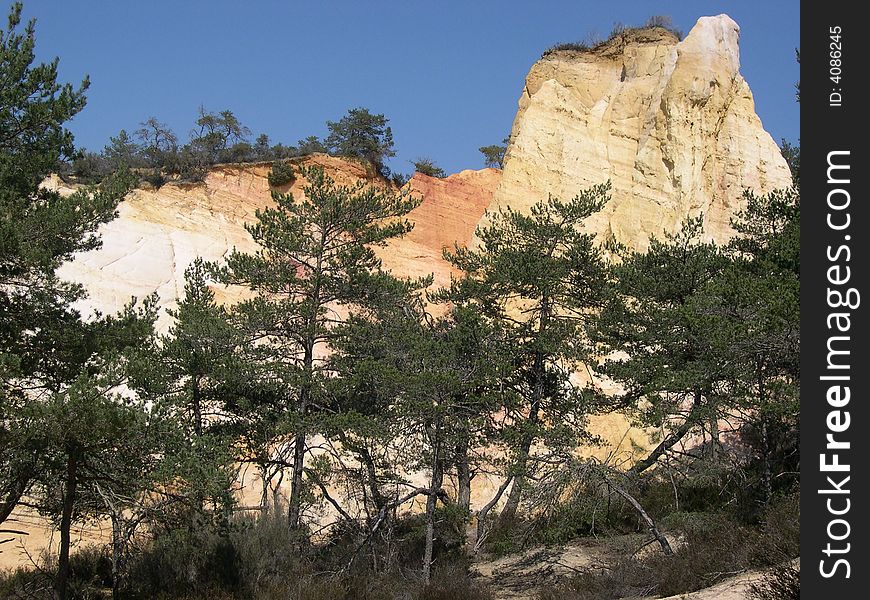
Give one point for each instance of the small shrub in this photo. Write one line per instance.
(267, 551)
(90, 577)
(281, 173)
(618, 28)
(155, 178)
(592, 40)
(570, 46)
(713, 546)
(504, 539)
(664, 22)
(583, 516)
(90, 168)
(91, 566)
(185, 562)
(780, 530)
(452, 582)
(409, 533)
(25, 583)
(781, 583)
(427, 166)
(399, 179)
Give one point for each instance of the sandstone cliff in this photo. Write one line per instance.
(159, 232)
(671, 124)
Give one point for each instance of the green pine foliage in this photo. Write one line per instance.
(493, 155)
(425, 387)
(315, 254)
(427, 166)
(539, 278)
(363, 135)
(675, 371)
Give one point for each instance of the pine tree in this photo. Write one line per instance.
(363, 135)
(759, 296)
(424, 389)
(675, 375)
(92, 435)
(193, 382)
(123, 153)
(315, 258)
(493, 155)
(42, 343)
(539, 277)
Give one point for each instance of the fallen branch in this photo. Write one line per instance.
(382, 515)
(662, 540)
(481, 514)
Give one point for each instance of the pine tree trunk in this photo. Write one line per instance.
(294, 511)
(69, 499)
(431, 499)
(661, 539)
(671, 440)
(463, 476)
(509, 512)
(484, 511)
(766, 478)
(196, 394)
(117, 548)
(12, 494)
(714, 438)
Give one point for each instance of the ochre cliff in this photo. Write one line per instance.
(670, 123)
(448, 214)
(159, 232)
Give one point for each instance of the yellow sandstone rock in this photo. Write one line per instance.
(671, 124)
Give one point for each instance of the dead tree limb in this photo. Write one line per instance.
(481, 514)
(662, 540)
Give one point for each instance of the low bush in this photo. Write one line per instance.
(281, 173)
(184, 562)
(427, 166)
(593, 41)
(90, 577)
(259, 558)
(24, 583)
(780, 583)
(155, 178)
(569, 46)
(665, 22)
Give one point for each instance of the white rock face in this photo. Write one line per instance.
(671, 124)
(158, 233)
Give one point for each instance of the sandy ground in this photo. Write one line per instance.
(520, 576)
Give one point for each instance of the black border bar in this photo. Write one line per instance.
(835, 260)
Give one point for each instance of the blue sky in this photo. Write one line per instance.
(447, 74)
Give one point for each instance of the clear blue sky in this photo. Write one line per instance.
(447, 74)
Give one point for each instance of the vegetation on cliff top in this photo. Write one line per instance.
(620, 32)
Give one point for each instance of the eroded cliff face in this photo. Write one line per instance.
(671, 124)
(447, 215)
(159, 232)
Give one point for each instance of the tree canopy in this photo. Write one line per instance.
(364, 135)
